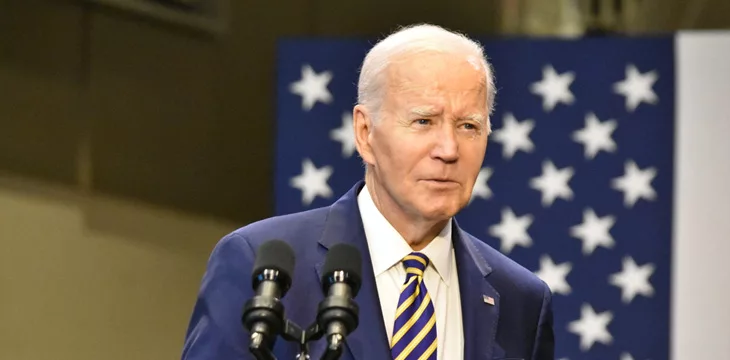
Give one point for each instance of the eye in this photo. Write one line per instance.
(470, 126)
(423, 121)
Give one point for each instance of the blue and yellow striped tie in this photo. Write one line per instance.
(414, 332)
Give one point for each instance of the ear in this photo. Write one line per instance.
(363, 126)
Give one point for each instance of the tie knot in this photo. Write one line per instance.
(415, 263)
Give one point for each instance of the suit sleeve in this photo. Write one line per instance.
(215, 330)
(544, 348)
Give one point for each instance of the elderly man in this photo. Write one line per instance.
(429, 289)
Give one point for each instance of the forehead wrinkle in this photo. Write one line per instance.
(406, 84)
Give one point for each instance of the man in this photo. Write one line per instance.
(429, 289)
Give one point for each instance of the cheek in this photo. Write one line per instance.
(399, 164)
(398, 154)
(383, 152)
(473, 157)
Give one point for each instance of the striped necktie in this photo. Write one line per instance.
(414, 332)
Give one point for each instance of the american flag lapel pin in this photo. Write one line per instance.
(488, 299)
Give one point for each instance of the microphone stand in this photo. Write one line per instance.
(334, 348)
(261, 348)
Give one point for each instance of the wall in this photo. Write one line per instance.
(88, 278)
(701, 229)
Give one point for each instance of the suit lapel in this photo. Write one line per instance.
(344, 224)
(479, 300)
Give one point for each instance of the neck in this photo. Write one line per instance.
(417, 231)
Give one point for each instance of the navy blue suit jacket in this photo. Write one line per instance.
(519, 324)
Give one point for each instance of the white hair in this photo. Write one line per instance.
(415, 38)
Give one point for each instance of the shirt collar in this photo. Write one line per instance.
(387, 247)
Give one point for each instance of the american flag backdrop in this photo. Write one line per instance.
(576, 185)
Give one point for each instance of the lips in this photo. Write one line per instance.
(442, 181)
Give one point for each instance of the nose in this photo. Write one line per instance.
(446, 146)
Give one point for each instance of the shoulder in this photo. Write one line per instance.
(507, 275)
(215, 329)
(283, 227)
(295, 228)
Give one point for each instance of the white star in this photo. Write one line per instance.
(345, 134)
(312, 87)
(596, 135)
(635, 183)
(312, 182)
(554, 275)
(512, 230)
(626, 356)
(481, 189)
(633, 280)
(553, 183)
(594, 231)
(636, 87)
(554, 88)
(592, 327)
(514, 135)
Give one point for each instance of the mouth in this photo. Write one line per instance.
(442, 182)
(441, 179)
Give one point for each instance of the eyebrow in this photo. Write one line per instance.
(425, 111)
(429, 111)
(476, 117)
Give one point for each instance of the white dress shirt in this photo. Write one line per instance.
(387, 248)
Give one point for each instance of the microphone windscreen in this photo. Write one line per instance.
(346, 258)
(276, 255)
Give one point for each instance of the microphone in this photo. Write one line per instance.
(263, 314)
(338, 313)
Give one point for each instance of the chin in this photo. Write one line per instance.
(436, 205)
(439, 211)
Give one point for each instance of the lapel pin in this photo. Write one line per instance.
(488, 299)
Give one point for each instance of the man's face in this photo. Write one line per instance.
(428, 145)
